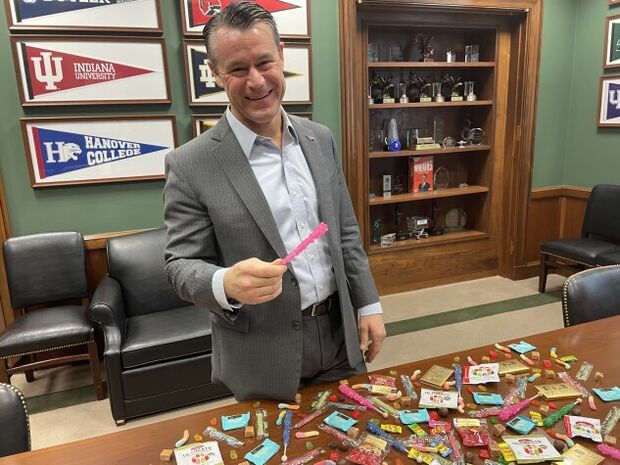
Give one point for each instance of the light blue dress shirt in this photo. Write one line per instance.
(287, 184)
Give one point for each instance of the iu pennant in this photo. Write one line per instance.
(52, 71)
(613, 101)
(201, 11)
(60, 152)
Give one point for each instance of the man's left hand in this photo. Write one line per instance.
(372, 334)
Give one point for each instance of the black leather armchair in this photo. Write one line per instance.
(47, 270)
(600, 235)
(157, 347)
(591, 295)
(15, 437)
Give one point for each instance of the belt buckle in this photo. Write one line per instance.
(327, 302)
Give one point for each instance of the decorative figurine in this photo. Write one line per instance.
(424, 45)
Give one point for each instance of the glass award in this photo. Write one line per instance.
(437, 96)
(469, 91)
(441, 178)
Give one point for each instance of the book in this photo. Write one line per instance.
(421, 174)
(199, 453)
(557, 391)
(436, 376)
(512, 366)
(579, 455)
(532, 449)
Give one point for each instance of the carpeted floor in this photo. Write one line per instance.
(420, 324)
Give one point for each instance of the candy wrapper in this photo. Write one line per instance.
(589, 428)
(382, 380)
(371, 451)
(480, 374)
(473, 431)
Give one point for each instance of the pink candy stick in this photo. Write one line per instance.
(351, 394)
(609, 451)
(314, 235)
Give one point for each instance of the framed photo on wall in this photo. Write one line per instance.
(614, 2)
(612, 42)
(292, 16)
(109, 15)
(76, 70)
(97, 149)
(203, 90)
(609, 102)
(203, 122)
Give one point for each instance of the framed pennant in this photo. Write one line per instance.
(202, 89)
(609, 102)
(92, 15)
(292, 16)
(201, 123)
(89, 150)
(76, 70)
(612, 42)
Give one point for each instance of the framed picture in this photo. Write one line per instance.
(609, 102)
(74, 70)
(292, 16)
(612, 42)
(614, 2)
(202, 89)
(200, 123)
(109, 15)
(101, 149)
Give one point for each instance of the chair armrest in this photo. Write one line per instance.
(106, 308)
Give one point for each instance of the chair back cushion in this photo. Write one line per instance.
(591, 295)
(45, 267)
(602, 218)
(15, 437)
(136, 261)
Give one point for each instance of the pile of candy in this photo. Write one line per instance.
(442, 428)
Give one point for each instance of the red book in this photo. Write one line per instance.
(421, 174)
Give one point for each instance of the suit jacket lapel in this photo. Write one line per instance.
(315, 158)
(237, 168)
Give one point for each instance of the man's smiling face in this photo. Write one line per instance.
(250, 67)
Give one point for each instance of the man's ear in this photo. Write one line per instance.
(216, 74)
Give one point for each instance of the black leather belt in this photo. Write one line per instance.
(320, 308)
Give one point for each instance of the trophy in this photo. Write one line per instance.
(424, 45)
(387, 186)
(471, 136)
(377, 225)
(437, 95)
(384, 85)
(393, 143)
(454, 83)
(469, 91)
(402, 230)
(441, 178)
(436, 230)
(472, 53)
(423, 84)
(450, 55)
(399, 185)
(417, 226)
(403, 92)
(448, 142)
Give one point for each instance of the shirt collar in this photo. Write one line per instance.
(247, 137)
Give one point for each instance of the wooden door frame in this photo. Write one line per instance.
(519, 140)
(6, 316)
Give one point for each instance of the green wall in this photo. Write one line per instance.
(569, 148)
(134, 205)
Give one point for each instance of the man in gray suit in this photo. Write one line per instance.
(245, 193)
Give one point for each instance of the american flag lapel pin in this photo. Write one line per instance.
(310, 138)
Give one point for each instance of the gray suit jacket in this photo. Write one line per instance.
(216, 215)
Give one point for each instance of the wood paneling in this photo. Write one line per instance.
(6, 313)
(554, 213)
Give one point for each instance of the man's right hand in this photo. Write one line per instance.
(254, 281)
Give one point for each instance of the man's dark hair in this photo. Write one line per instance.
(239, 15)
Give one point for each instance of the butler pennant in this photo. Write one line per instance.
(613, 101)
(60, 152)
(201, 11)
(28, 9)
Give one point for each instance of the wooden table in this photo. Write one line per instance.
(597, 342)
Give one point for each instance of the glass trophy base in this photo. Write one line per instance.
(472, 98)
